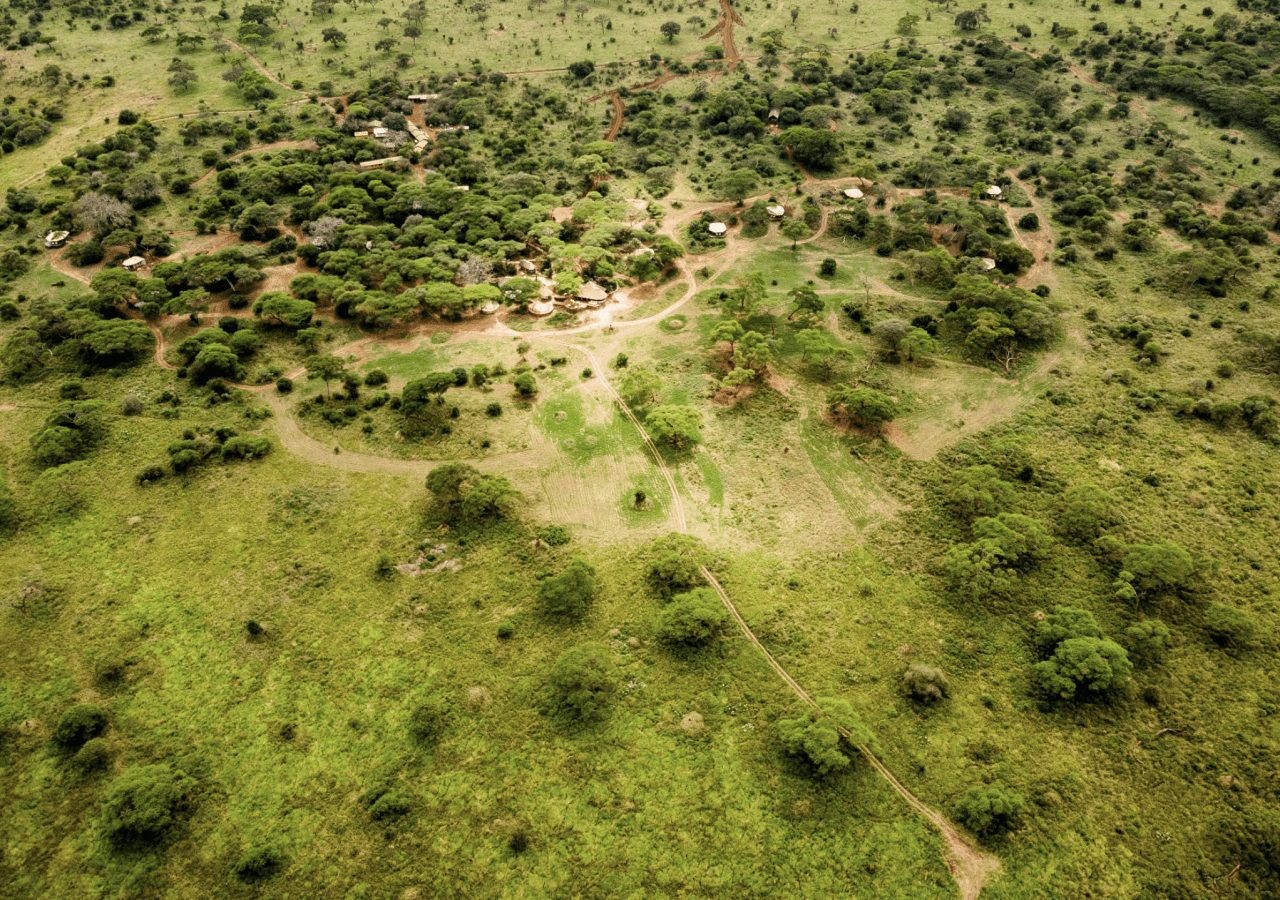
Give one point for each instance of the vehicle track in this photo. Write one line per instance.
(970, 866)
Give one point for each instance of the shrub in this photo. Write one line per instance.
(569, 594)
(430, 718)
(389, 805)
(493, 410)
(1229, 626)
(692, 620)
(144, 803)
(989, 810)
(93, 756)
(814, 736)
(245, 447)
(554, 535)
(284, 385)
(258, 864)
(131, 405)
(673, 564)
(581, 684)
(1147, 641)
(375, 377)
(1087, 512)
(1158, 568)
(978, 491)
(466, 496)
(1084, 668)
(925, 683)
(525, 384)
(78, 724)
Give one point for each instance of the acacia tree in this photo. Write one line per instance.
(325, 368)
(677, 426)
(670, 30)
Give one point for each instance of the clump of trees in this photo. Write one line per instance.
(673, 564)
(569, 593)
(817, 737)
(581, 685)
(692, 620)
(1082, 663)
(464, 495)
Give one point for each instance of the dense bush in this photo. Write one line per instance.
(989, 810)
(1229, 626)
(692, 620)
(258, 864)
(466, 496)
(93, 756)
(673, 564)
(1084, 668)
(925, 683)
(1147, 641)
(144, 803)
(78, 724)
(1064, 623)
(430, 717)
(569, 594)
(815, 738)
(581, 683)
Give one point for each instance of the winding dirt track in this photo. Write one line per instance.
(970, 866)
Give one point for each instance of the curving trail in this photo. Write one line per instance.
(970, 866)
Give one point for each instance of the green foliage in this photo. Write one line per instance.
(525, 384)
(989, 810)
(1087, 512)
(677, 426)
(245, 447)
(1084, 668)
(694, 619)
(144, 803)
(78, 724)
(581, 684)
(430, 718)
(570, 593)
(1147, 641)
(673, 563)
(1230, 626)
(71, 431)
(814, 737)
(258, 864)
(1064, 623)
(93, 756)
(861, 406)
(925, 684)
(1159, 568)
(978, 491)
(466, 496)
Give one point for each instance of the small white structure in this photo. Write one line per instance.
(462, 187)
(642, 251)
(528, 266)
(994, 192)
(988, 263)
(490, 308)
(592, 293)
(775, 114)
(423, 98)
(56, 239)
(719, 229)
(380, 132)
(360, 134)
(776, 212)
(853, 193)
(379, 163)
(134, 263)
(542, 308)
